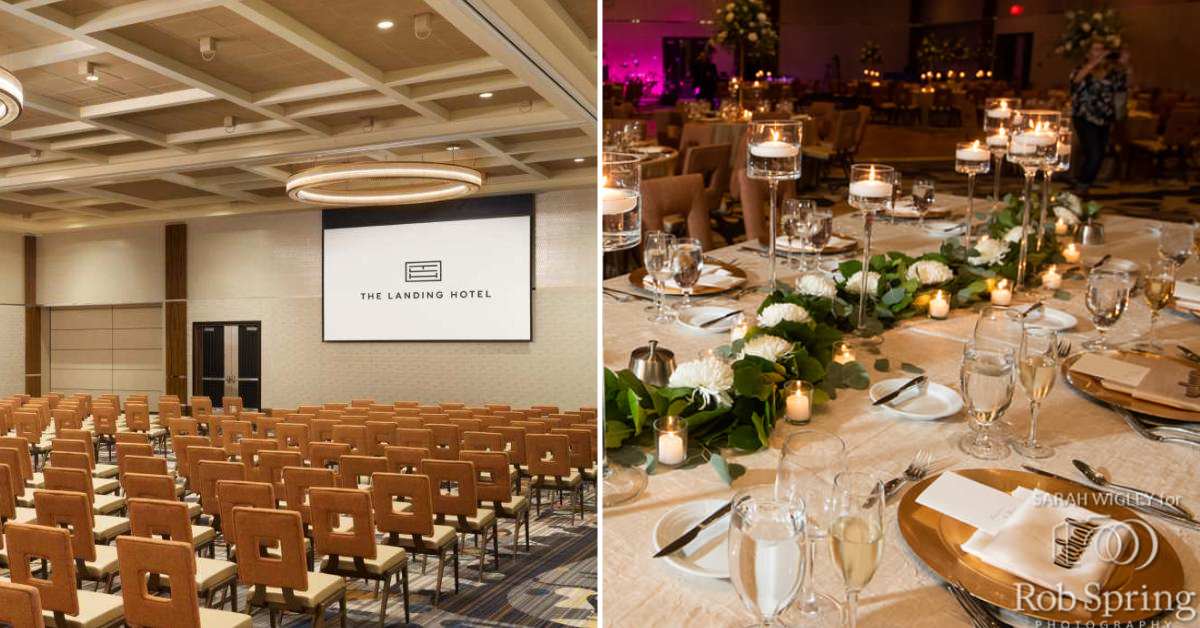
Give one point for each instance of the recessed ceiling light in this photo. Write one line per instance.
(486, 95)
(453, 147)
(384, 25)
(579, 160)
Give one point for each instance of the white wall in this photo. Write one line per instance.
(268, 268)
(12, 313)
(108, 267)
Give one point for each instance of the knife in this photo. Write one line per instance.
(1033, 308)
(690, 535)
(1121, 500)
(1101, 262)
(641, 297)
(896, 393)
(1188, 353)
(718, 319)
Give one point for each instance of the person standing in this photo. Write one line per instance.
(704, 77)
(1097, 86)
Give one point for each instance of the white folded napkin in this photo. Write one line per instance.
(1025, 547)
(1115, 374)
(835, 242)
(710, 276)
(1187, 295)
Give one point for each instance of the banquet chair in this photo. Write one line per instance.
(166, 562)
(249, 448)
(310, 410)
(71, 510)
(20, 605)
(9, 511)
(488, 422)
(353, 468)
(451, 405)
(361, 403)
(548, 457)
(63, 473)
(83, 448)
(493, 485)
(233, 493)
(405, 404)
(385, 408)
(279, 581)
(232, 432)
(322, 430)
(333, 406)
(694, 134)
(232, 406)
(196, 454)
(353, 435)
(497, 407)
(532, 427)
(680, 196)
(210, 425)
(464, 425)
(181, 445)
(415, 437)
(412, 412)
(168, 519)
(482, 441)
(514, 445)
(59, 596)
(354, 553)
(125, 450)
(411, 526)
(12, 457)
(460, 414)
(402, 459)
(169, 409)
(297, 481)
(271, 466)
(455, 495)
(208, 473)
(106, 526)
(428, 409)
(132, 438)
(265, 426)
(711, 162)
(183, 427)
(27, 425)
(300, 418)
(67, 418)
(408, 423)
(326, 455)
(840, 148)
(445, 441)
(200, 405)
(380, 434)
(582, 452)
(157, 486)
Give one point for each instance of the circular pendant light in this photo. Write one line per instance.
(383, 183)
(12, 97)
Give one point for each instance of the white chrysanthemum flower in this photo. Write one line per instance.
(767, 347)
(1013, 235)
(1069, 217)
(816, 285)
(990, 252)
(777, 313)
(854, 283)
(762, 17)
(1072, 203)
(709, 375)
(930, 272)
(752, 36)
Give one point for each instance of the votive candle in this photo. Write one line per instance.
(1001, 294)
(1072, 253)
(939, 306)
(1051, 280)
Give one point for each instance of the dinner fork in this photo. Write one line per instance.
(921, 465)
(1064, 348)
(1149, 433)
(981, 616)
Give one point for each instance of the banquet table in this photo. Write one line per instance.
(642, 591)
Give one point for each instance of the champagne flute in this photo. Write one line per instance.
(1107, 297)
(986, 380)
(922, 197)
(766, 556)
(809, 462)
(1159, 291)
(656, 256)
(1038, 368)
(856, 534)
(687, 260)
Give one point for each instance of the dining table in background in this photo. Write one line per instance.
(641, 590)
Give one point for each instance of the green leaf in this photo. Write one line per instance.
(615, 433)
(744, 437)
(911, 368)
(883, 365)
(651, 463)
(728, 472)
(636, 411)
(856, 376)
(1062, 295)
(894, 296)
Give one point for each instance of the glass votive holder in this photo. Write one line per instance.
(773, 149)
(621, 201)
(871, 186)
(1034, 142)
(670, 438)
(741, 326)
(843, 353)
(998, 111)
(798, 402)
(972, 158)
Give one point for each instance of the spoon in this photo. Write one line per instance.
(1098, 478)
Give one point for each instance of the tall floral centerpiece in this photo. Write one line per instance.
(870, 55)
(1084, 26)
(744, 28)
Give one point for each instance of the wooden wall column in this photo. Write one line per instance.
(33, 322)
(176, 311)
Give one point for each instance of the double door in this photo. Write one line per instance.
(227, 361)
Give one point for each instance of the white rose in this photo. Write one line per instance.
(990, 252)
(762, 17)
(767, 347)
(1086, 27)
(777, 313)
(708, 374)
(854, 283)
(1097, 16)
(728, 17)
(816, 285)
(752, 36)
(1013, 235)
(929, 272)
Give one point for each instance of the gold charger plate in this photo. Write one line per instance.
(638, 279)
(851, 244)
(934, 212)
(937, 540)
(1092, 387)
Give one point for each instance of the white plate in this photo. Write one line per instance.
(944, 228)
(707, 555)
(693, 317)
(938, 402)
(1051, 318)
(651, 150)
(835, 242)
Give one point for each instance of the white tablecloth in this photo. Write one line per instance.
(641, 591)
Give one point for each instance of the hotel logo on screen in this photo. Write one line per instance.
(418, 272)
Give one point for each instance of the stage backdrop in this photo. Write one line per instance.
(451, 271)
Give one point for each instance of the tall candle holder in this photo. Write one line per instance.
(971, 158)
(773, 154)
(1034, 143)
(621, 201)
(870, 191)
(997, 123)
(1060, 163)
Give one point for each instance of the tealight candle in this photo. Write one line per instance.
(974, 152)
(1072, 254)
(1060, 227)
(774, 148)
(672, 440)
(617, 200)
(871, 187)
(842, 353)
(799, 402)
(1051, 280)
(1002, 112)
(1001, 294)
(939, 306)
(999, 139)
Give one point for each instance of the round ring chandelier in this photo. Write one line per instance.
(383, 183)
(12, 97)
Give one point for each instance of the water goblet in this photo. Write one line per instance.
(922, 198)
(986, 380)
(792, 219)
(687, 261)
(1106, 300)
(1175, 242)
(656, 256)
(766, 551)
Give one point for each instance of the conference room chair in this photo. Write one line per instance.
(355, 471)
(409, 423)
(403, 509)
(210, 425)
(353, 435)
(451, 405)
(488, 421)
(408, 411)
(459, 508)
(353, 553)
(310, 410)
(326, 455)
(106, 525)
(79, 441)
(566, 419)
(104, 425)
(272, 463)
(169, 409)
(582, 452)
(514, 445)
(67, 418)
(279, 581)
(478, 411)
(385, 408)
(532, 427)
(12, 457)
(9, 511)
(153, 514)
(265, 426)
(232, 406)
(493, 486)
(482, 441)
(548, 458)
(406, 404)
(248, 450)
(292, 437)
(183, 427)
(20, 605)
(429, 409)
(166, 562)
(333, 406)
(297, 482)
(302, 418)
(280, 412)
(322, 429)
(6, 412)
(361, 403)
(464, 425)
(155, 486)
(71, 510)
(208, 473)
(27, 425)
(446, 440)
(57, 592)
(402, 459)
(234, 493)
(125, 450)
(380, 434)
(73, 462)
(181, 445)
(232, 432)
(200, 405)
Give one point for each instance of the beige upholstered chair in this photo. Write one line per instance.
(403, 507)
(62, 601)
(166, 561)
(460, 508)
(681, 196)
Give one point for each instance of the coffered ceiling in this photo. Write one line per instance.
(168, 133)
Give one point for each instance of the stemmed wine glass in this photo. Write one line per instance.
(986, 379)
(809, 462)
(1107, 297)
(773, 154)
(1175, 242)
(687, 260)
(794, 226)
(1159, 290)
(922, 198)
(1034, 144)
(820, 231)
(766, 551)
(656, 256)
(1038, 369)
(856, 534)
(870, 191)
(970, 158)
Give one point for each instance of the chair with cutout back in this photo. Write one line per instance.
(142, 596)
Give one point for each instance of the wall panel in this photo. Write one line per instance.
(107, 349)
